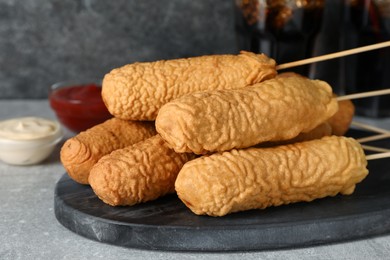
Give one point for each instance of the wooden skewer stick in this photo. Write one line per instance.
(378, 156)
(375, 149)
(370, 128)
(333, 55)
(373, 138)
(365, 94)
(383, 134)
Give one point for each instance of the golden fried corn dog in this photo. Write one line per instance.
(137, 91)
(274, 110)
(256, 178)
(341, 121)
(320, 131)
(289, 74)
(81, 152)
(138, 173)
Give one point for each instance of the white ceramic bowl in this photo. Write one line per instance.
(20, 148)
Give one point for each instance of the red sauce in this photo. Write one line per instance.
(79, 107)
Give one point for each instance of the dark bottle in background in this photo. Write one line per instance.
(329, 40)
(367, 22)
(290, 30)
(282, 29)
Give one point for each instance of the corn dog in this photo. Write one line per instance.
(137, 173)
(320, 131)
(137, 91)
(274, 110)
(81, 152)
(256, 178)
(341, 121)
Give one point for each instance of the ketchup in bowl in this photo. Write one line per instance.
(78, 106)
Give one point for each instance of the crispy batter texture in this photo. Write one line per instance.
(81, 152)
(138, 173)
(341, 121)
(274, 110)
(137, 91)
(256, 178)
(289, 74)
(320, 131)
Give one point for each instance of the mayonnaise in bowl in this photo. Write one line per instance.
(28, 140)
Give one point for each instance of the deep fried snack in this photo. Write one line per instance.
(274, 110)
(320, 131)
(137, 91)
(256, 178)
(137, 173)
(289, 74)
(81, 152)
(341, 121)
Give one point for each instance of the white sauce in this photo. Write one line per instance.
(28, 140)
(27, 128)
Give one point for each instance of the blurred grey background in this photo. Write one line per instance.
(46, 41)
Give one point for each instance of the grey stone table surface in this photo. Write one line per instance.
(29, 229)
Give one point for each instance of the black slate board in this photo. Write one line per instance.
(166, 224)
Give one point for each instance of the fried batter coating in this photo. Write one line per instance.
(289, 74)
(274, 110)
(137, 173)
(137, 91)
(256, 178)
(320, 131)
(341, 121)
(81, 152)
